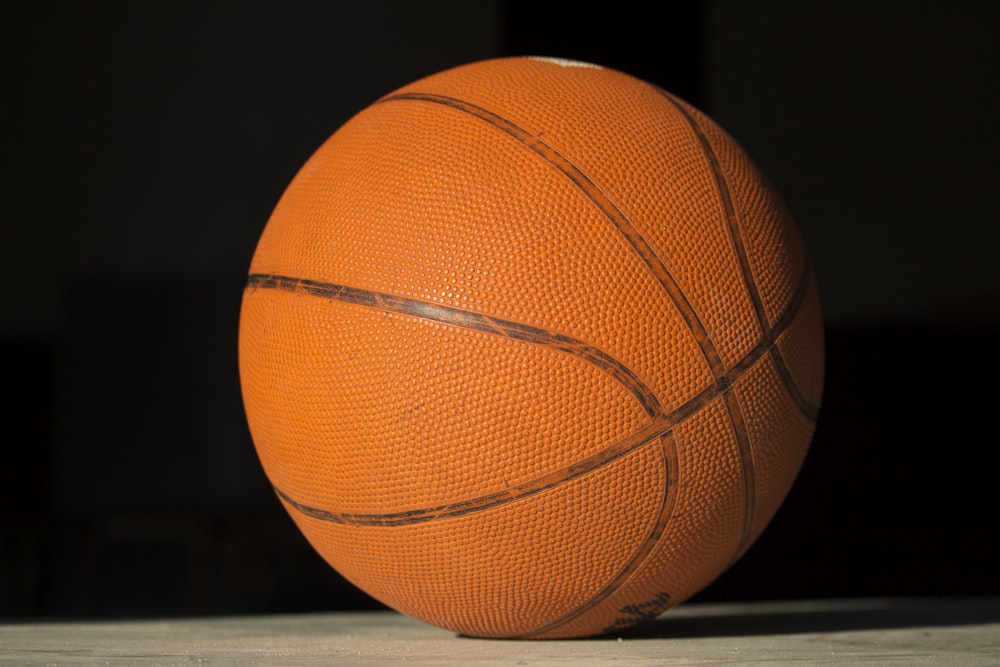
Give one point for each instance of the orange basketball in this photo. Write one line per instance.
(530, 348)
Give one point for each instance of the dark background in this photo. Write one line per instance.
(144, 145)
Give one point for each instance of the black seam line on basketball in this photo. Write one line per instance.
(770, 342)
(620, 449)
(660, 425)
(753, 291)
(804, 405)
(638, 242)
(621, 222)
(470, 320)
(726, 198)
(742, 255)
(733, 409)
(742, 433)
(659, 527)
(659, 270)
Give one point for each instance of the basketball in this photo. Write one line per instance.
(531, 348)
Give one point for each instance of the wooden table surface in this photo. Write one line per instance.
(816, 632)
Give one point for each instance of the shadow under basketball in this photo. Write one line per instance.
(820, 617)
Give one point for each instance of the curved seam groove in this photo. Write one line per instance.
(659, 425)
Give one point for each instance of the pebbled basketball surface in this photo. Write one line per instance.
(531, 348)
